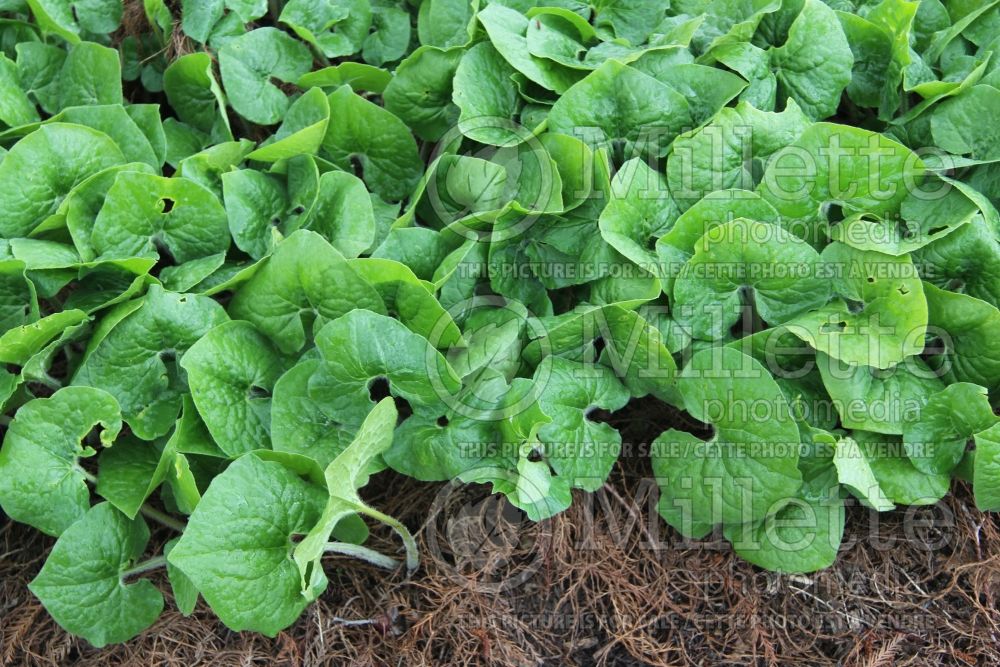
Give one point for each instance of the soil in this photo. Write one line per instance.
(606, 583)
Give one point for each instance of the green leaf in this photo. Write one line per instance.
(147, 215)
(487, 97)
(19, 344)
(232, 370)
(302, 286)
(15, 107)
(68, 19)
(249, 62)
(636, 110)
(90, 562)
(748, 468)
(409, 299)
(41, 480)
(343, 213)
(91, 74)
(986, 475)
(134, 351)
(803, 535)
(334, 27)
(855, 169)
(363, 346)
(41, 169)
(507, 30)
(855, 472)
(420, 91)
(193, 92)
(640, 211)
(936, 437)
(578, 449)
(376, 141)
(302, 130)
(298, 424)
(965, 124)
(237, 549)
(389, 35)
(881, 315)
(446, 23)
(745, 265)
(968, 350)
(877, 400)
(715, 157)
(901, 482)
(814, 66)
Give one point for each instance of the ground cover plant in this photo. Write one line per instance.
(256, 253)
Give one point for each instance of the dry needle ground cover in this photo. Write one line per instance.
(596, 595)
(510, 332)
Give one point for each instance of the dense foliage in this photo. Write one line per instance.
(252, 253)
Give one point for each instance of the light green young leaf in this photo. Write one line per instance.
(344, 476)
(854, 472)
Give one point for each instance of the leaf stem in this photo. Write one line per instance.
(145, 566)
(412, 554)
(362, 553)
(162, 518)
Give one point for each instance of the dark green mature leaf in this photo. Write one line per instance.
(747, 466)
(373, 143)
(42, 483)
(90, 562)
(232, 370)
(44, 167)
(237, 549)
(134, 352)
(249, 62)
(302, 286)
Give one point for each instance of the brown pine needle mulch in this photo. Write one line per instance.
(605, 583)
